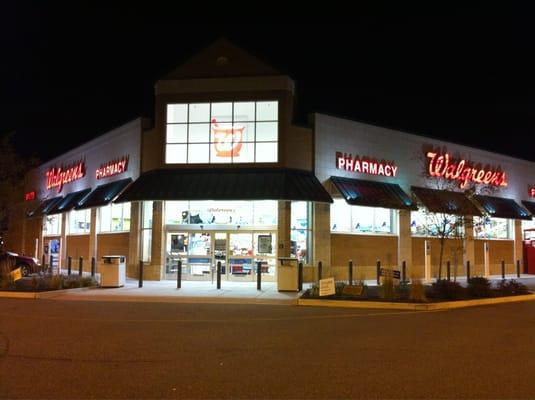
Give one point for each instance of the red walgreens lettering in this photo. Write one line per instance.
(442, 166)
(57, 177)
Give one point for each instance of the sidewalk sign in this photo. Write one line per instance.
(327, 287)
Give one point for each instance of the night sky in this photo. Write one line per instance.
(467, 76)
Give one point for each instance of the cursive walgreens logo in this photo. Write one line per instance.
(443, 166)
(57, 177)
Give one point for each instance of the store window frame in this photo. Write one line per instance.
(111, 207)
(211, 142)
(56, 217)
(394, 229)
(87, 220)
(307, 259)
(146, 230)
(509, 224)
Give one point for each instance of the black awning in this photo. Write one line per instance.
(103, 194)
(44, 207)
(530, 205)
(69, 202)
(445, 201)
(226, 184)
(359, 192)
(499, 207)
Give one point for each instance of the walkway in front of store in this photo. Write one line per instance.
(190, 292)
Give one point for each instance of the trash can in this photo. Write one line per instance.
(112, 271)
(287, 274)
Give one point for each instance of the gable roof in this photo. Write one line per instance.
(221, 59)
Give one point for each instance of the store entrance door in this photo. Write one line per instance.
(195, 250)
(238, 254)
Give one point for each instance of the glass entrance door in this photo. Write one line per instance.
(238, 253)
(194, 250)
(240, 259)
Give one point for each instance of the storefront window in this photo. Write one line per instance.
(492, 228)
(79, 221)
(236, 213)
(436, 224)
(146, 231)
(115, 218)
(528, 225)
(357, 219)
(301, 230)
(228, 132)
(52, 225)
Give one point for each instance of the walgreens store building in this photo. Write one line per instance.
(224, 175)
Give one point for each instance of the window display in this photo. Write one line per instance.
(79, 221)
(115, 218)
(301, 230)
(228, 132)
(492, 228)
(242, 213)
(359, 219)
(52, 225)
(432, 224)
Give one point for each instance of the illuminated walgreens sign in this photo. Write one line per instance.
(29, 196)
(365, 165)
(442, 166)
(112, 168)
(57, 177)
(532, 191)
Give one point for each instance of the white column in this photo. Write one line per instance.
(63, 241)
(93, 249)
(486, 259)
(427, 266)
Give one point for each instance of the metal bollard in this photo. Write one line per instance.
(404, 271)
(503, 270)
(93, 267)
(258, 275)
(69, 265)
(179, 274)
(448, 267)
(320, 270)
(300, 277)
(350, 272)
(219, 274)
(468, 271)
(140, 283)
(518, 268)
(80, 266)
(378, 272)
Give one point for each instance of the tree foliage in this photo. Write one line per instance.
(12, 170)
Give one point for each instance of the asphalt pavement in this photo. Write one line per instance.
(76, 349)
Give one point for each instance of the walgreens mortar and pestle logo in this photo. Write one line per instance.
(228, 141)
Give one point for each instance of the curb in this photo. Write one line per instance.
(40, 295)
(447, 305)
(183, 299)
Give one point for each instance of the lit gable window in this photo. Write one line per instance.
(222, 133)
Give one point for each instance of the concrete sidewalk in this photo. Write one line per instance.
(190, 292)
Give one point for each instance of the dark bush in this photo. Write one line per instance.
(479, 287)
(511, 287)
(339, 288)
(444, 289)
